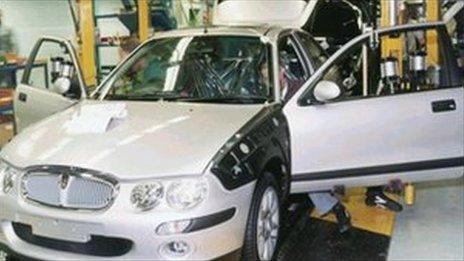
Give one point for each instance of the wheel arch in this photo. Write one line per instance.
(263, 144)
(278, 167)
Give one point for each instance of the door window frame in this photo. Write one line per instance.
(303, 97)
(307, 52)
(72, 54)
(302, 57)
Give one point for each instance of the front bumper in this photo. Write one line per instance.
(122, 222)
(6, 254)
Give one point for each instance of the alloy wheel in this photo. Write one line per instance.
(268, 224)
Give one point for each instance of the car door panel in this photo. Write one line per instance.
(336, 141)
(33, 102)
(412, 137)
(393, 123)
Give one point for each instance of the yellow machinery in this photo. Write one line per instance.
(433, 15)
(391, 15)
(143, 13)
(86, 41)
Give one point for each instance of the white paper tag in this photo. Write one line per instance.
(95, 118)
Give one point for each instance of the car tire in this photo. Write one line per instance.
(262, 233)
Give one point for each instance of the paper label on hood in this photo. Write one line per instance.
(95, 118)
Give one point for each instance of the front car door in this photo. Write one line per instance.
(52, 81)
(404, 123)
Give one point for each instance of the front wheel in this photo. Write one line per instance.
(263, 226)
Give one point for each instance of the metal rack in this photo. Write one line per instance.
(129, 18)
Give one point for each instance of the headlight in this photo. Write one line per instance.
(181, 194)
(147, 196)
(186, 193)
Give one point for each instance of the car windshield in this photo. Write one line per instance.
(217, 69)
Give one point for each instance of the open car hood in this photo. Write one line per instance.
(152, 139)
(285, 13)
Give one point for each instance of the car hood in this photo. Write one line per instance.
(155, 139)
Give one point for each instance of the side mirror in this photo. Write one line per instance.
(326, 91)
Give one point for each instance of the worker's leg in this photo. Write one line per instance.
(375, 197)
(326, 203)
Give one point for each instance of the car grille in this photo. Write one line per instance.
(70, 188)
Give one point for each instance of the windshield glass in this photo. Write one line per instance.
(223, 69)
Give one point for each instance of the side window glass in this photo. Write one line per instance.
(420, 63)
(316, 54)
(53, 70)
(292, 72)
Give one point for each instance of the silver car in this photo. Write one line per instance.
(190, 148)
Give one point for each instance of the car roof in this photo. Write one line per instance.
(258, 31)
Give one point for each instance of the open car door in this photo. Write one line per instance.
(399, 118)
(52, 81)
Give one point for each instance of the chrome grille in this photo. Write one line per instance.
(68, 188)
(85, 192)
(42, 187)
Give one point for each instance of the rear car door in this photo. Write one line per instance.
(52, 81)
(404, 123)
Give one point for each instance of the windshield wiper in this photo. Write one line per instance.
(160, 96)
(238, 99)
(144, 97)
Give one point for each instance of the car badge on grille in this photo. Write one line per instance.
(64, 181)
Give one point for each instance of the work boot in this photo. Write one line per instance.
(381, 200)
(343, 218)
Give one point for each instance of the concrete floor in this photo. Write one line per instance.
(433, 229)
